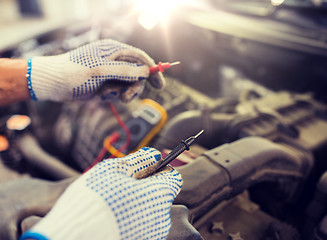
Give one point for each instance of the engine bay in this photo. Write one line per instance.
(258, 172)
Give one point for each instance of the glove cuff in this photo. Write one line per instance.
(33, 235)
(79, 214)
(45, 80)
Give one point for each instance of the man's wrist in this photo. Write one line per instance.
(13, 84)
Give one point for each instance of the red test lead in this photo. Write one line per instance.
(162, 67)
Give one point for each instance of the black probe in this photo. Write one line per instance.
(184, 145)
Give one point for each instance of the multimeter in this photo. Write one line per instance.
(145, 123)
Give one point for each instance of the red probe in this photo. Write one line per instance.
(162, 67)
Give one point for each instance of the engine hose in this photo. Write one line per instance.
(223, 172)
(36, 156)
(190, 122)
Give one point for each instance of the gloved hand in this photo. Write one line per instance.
(80, 73)
(108, 203)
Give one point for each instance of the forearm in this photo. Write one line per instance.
(13, 81)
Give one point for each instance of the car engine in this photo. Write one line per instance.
(252, 76)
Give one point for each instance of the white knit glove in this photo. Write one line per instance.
(80, 73)
(108, 203)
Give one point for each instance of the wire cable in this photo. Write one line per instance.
(108, 141)
(126, 130)
(98, 159)
(111, 149)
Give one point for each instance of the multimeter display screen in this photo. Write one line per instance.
(149, 114)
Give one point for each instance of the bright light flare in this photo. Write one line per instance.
(277, 2)
(153, 11)
(148, 20)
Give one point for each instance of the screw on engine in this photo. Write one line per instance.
(235, 236)
(217, 227)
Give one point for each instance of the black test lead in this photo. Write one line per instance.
(184, 145)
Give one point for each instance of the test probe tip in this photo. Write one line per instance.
(175, 63)
(199, 133)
